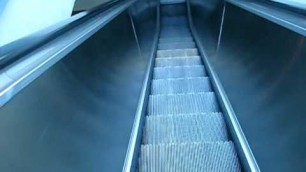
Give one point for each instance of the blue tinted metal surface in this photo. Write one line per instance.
(206, 18)
(145, 16)
(79, 114)
(284, 17)
(245, 153)
(18, 49)
(261, 66)
(18, 73)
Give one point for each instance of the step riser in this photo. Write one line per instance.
(174, 35)
(167, 46)
(171, 30)
(177, 39)
(196, 157)
(177, 33)
(175, 86)
(178, 72)
(191, 42)
(174, 22)
(165, 62)
(180, 104)
(185, 128)
(177, 53)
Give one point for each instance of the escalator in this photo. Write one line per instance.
(70, 101)
(184, 127)
(157, 86)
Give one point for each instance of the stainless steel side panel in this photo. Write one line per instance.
(262, 68)
(79, 114)
(206, 19)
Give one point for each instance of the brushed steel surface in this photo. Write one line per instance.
(79, 114)
(261, 66)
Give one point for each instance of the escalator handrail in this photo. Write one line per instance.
(18, 73)
(15, 50)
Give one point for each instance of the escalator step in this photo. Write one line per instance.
(177, 53)
(175, 39)
(176, 45)
(185, 128)
(179, 72)
(178, 61)
(171, 29)
(182, 103)
(173, 34)
(180, 85)
(174, 21)
(195, 157)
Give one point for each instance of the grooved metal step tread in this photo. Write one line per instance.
(178, 53)
(175, 39)
(178, 61)
(182, 103)
(181, 85)
(184, 128)
(193, 157)
(179, 72)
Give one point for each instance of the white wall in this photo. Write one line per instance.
(20, 18)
